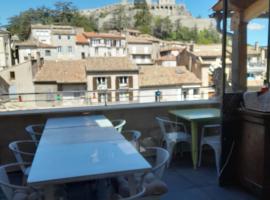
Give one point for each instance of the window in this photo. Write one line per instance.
(123, 80)
(70, 49)
(25, 58)
(59, 37)
(96, 51)
(59, 49)
(68, 37)
(47, 52)
(12, 75)
(101, 80)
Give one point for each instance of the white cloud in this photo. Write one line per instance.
(255, 27)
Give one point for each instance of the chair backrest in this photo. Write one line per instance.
(162, 157)
(20, 154)
(133, 136)
(119, 124)
(8, 188)
(32, 131)
(211, 127)
(166, 125)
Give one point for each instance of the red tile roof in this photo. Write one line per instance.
(81, 39)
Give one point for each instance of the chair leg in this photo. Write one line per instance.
(200, 155)
(170, 148)
(217, 158)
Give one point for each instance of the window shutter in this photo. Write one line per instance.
(109, 96)
(94, 83)
(117, 96)
(117, 83)
(131, 96)
(109, 82)
(130, 82)
(99, 97)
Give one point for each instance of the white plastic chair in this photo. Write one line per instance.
(214, 141)
(172, 133)
(162, 158)
(34, 134)
(133, 137)
(16, 192)
(21, 155)
(119, 124)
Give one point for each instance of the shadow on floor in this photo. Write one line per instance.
(185, 183)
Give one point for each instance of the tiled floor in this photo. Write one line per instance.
(185, 183)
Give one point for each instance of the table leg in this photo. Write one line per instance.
(132, 184)
(194, 143)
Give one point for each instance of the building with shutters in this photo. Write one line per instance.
(173, 84)
(5, 49)
(91, 44)
(114, 79)
(97, 80)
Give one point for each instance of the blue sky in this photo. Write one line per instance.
(257, 29)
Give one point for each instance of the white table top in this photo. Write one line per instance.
(94, 120)
(79, 162)
(82, 134)
(83, 153)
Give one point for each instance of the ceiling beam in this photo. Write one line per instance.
(256, 9)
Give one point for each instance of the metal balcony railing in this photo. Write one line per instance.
(26, 101)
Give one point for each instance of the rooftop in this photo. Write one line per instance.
(103, 35)
(138, 40)
(167, 58)
(153, 76)
(34, 43)
(81, 39)
(62, 72)
(105, 64)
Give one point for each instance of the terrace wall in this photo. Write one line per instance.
(139, 117)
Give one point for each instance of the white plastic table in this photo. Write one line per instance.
(71, 154)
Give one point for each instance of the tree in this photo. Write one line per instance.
(143, 18)
(120, 20)
(63, 13)
(162, 28)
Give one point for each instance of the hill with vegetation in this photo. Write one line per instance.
(66, 13)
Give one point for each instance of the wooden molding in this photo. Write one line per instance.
(256, 9)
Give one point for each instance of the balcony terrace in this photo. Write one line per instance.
(183, 181)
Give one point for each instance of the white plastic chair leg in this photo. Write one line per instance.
(170, 147)
(217, 158)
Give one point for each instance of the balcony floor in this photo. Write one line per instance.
(188, 184)
(185, 183)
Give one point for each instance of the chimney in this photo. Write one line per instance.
(38, 59)
(257, 46)
(191, 47)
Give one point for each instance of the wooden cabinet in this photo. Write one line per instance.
(254, 152)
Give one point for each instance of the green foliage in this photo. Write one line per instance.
(143, 18)
(162, 28)
(64, 13)
(119, 21)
